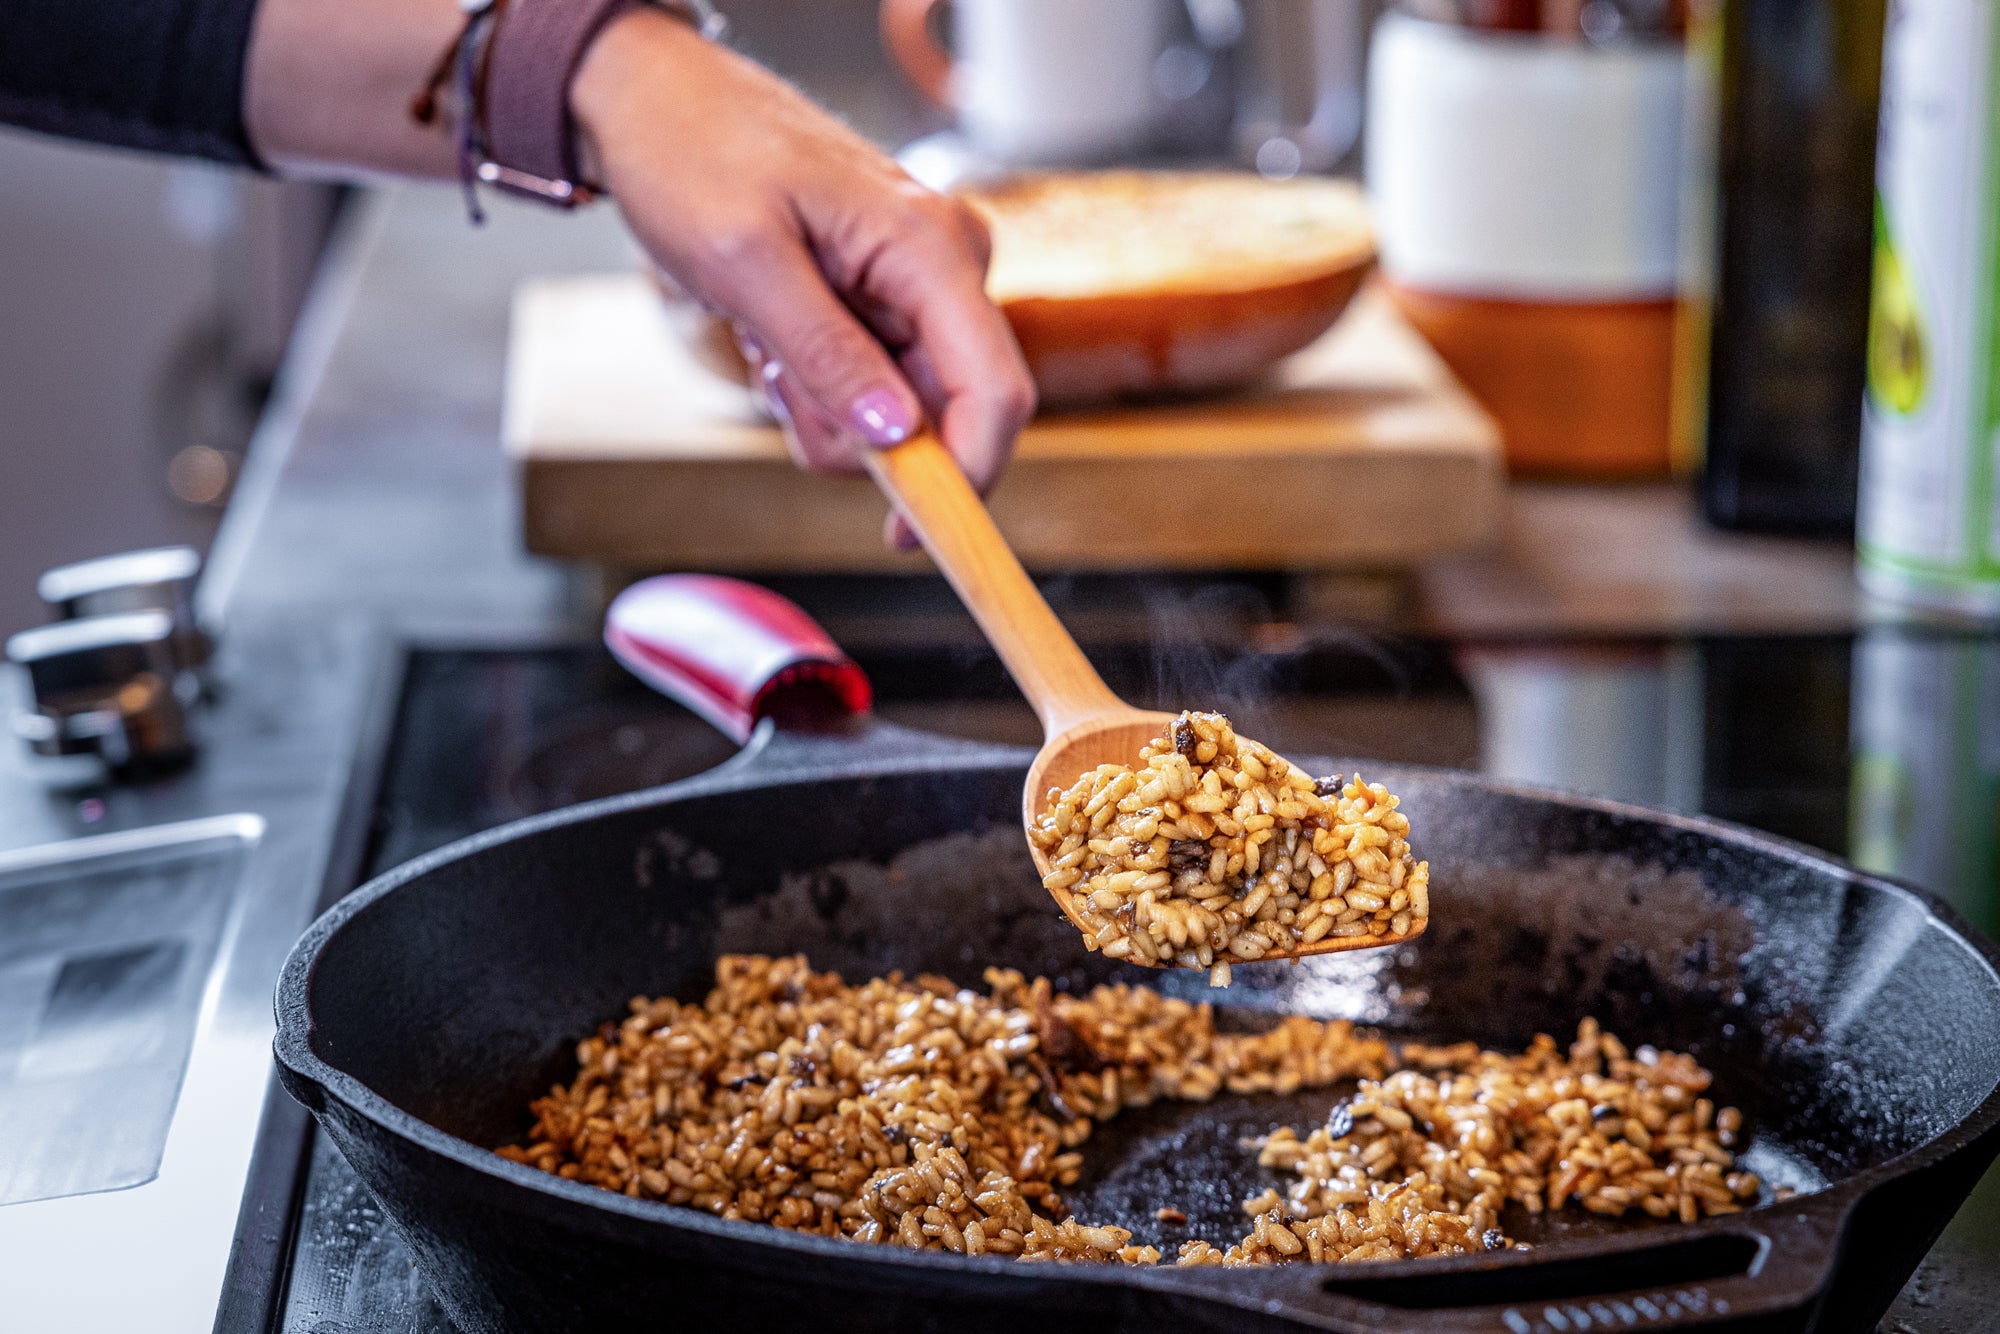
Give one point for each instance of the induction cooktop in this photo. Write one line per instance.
(1883, 748)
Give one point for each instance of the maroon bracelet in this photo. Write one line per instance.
(512, 66)
(529, 134)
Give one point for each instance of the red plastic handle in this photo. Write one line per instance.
(728, 650)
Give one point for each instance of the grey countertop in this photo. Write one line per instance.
(377, 483)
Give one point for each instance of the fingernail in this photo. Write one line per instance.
(881, 418)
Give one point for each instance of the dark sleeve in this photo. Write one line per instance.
(163, 75)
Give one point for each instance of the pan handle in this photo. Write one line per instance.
(733, 652)
(1781, 1263)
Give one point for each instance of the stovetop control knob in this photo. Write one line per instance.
(111, 686)
(160, 579)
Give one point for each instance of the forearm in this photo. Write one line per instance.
(328, 85)
(862, 291)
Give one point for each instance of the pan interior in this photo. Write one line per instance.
(1849, 1024)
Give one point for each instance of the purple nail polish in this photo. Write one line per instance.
(881, 418)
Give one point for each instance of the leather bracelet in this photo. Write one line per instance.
(509, 72)
(529, 135)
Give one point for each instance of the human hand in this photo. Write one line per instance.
(858, 294)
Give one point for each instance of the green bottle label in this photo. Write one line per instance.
(1930, 524)
(1897, 362)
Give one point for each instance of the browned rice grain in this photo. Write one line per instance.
(1214, 850)
(918, 1113)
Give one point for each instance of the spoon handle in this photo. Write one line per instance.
(925, 484)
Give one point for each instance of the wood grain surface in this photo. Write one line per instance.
(1360, 453)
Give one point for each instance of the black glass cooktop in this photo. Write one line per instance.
(1885, 749)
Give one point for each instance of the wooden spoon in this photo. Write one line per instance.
(1083, 723)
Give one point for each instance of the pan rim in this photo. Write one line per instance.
(293, 1050)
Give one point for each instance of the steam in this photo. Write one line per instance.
(1227, 647)
(1188, 670)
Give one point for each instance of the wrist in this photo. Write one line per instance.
(619, 61)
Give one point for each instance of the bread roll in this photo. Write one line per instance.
(1125, 284)
(1133, 283)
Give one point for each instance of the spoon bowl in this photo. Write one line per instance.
(1084, 724)
(1113, 737)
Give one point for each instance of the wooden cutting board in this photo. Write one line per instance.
(1360, 453)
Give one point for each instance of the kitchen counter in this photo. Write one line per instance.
(378, 483)
(1611, 560)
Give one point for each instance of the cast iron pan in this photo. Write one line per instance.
(1855, 1020)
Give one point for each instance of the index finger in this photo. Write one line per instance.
(968, 352)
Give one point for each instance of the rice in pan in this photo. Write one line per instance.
(917, 1113)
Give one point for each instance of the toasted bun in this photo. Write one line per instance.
(1132, 283)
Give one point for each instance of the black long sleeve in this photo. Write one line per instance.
(162, 75)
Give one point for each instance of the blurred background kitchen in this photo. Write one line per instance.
(1680, 304)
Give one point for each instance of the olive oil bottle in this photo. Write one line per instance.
(1797, 86)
